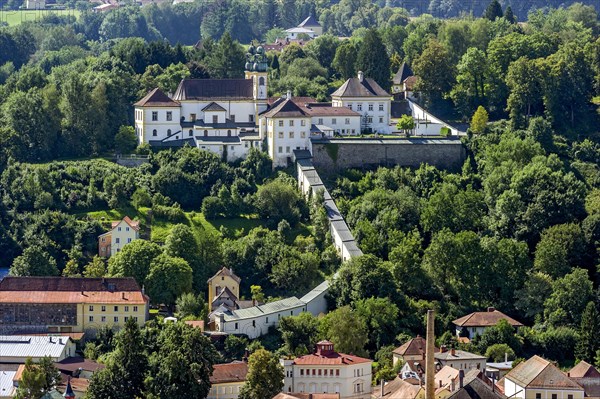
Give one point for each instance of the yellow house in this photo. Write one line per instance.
(225, 278)
(68, 304)
(227, 380)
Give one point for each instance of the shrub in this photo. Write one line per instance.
(172, 213)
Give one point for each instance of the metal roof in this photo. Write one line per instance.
(352, 248)
(342, 229)
(266, 309)
(315, 292)
(7, 388)
(24, 346)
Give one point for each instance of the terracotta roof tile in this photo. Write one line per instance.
(485, 319)
(70, 290)
(537, 372)
(414, 347)
(134, 224)
(229, 372)
(156, 98)
(285, 109)
(332, 358)
(584, 370)
(325, 109)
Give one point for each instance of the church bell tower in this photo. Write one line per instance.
(256, 69)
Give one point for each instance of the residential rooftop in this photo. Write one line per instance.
(485, 319)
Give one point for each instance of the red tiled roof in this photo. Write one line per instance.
(485, 319)
(325, 109)
(537, 372)
(156, 98)
(71, 290)
(584, 370)
(229, 372)
(134, 224)
(331, 358)
(196, 323)
(413, 347)
(71, 364)
(298, 100)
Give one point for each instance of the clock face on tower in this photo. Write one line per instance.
(261, 92)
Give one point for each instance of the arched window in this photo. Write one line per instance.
(261, 81)
(168, 132)
(205, 133)
(191, 132)
(154, 132)
(229, 133)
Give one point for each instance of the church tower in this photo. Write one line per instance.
(256, 69)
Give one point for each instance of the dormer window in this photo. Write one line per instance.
(215, 119)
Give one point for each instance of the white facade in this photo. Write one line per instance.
(215, 115)
(255, 321)
(286, 134)
(375, 111)
(329, 374)
(121, 234)
(157, 122)
(17, 348)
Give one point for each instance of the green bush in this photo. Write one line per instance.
(171, 213)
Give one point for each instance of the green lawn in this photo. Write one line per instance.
(160, 228)
(16, 17)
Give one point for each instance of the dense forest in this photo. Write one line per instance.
(518, 228)
(85, 83)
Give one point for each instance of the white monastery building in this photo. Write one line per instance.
(230, 116)
(365, 96)
(327, 371)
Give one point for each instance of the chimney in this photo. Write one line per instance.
(452, 351)
(361, 76)
(51, 340)
(382, 387)
(440, 383)
(60, 341)
(429, 349)
(461, 376)
(491, 309)
(289, 95)
(505, 357)
(443, 349)
(123, 295)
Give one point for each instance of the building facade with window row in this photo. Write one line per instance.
(327, 371)
(64, 305)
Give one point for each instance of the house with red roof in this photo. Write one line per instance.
(122, 233)
(477, 322)
(537, 378)
(328, 371)
(227, 380)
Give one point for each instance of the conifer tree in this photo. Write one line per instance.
(373, 60)
(493, 11)
(479, 120)
(588, 343)
(509, 15)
